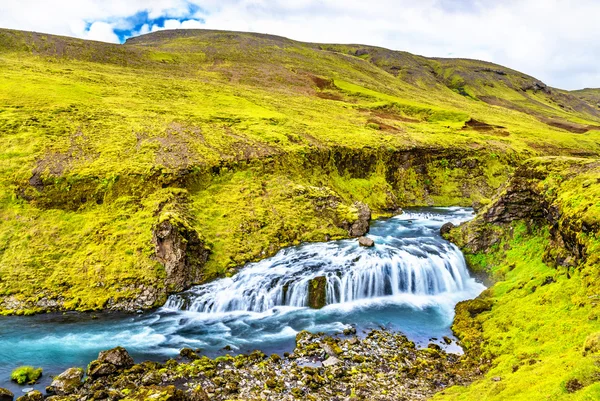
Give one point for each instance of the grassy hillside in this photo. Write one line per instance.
(537, 328)
(244, 143)
(589, 95)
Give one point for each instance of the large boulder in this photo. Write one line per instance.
(67, 382)
(110, 362)
(366, 241)
(6, 395)
(446, 228)
(117, 356)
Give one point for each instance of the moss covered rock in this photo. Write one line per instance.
(317, 292)
(6, 395)
(67, 382)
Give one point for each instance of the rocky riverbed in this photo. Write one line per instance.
(383, 365)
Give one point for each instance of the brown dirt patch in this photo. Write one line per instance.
(322, 83)
(383, 126)
(569, 126)
(480, 125)
(330, 96)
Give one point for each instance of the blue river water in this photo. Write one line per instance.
(409, 281)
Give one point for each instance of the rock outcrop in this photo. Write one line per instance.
(182, 253)
(361, 225)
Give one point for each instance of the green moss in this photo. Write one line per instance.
(26, 374)
(540, 332)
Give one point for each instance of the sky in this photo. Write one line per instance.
(557, 41)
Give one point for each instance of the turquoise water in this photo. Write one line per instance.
(410, 281)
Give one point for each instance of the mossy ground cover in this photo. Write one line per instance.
(270, 139)
(541, 312)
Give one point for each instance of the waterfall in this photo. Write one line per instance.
(413, 260)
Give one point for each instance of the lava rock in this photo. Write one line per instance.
(67, 382)
(365, 241)
(6, 395)
(446, 228)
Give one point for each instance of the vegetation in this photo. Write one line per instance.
(536, 329)
(254, 141)
(26, 374)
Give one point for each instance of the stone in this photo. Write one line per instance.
(98, 369)
(32, 396)
(67, 382)
(350, 330)
(117, 356)
(331, 361)
(365, 241)
(496, 378)
(6, 395)
(182, 253)
(329, 349)
(198, 394)
(317, 292)
(188, 353)
(446, 228)
(109, 362)
(361, 225)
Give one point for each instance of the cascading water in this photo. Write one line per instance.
(409, 281)
(395, 266)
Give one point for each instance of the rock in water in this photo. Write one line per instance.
(6, 395)
(445, 229)
(67, 382)
(365, 241)
(110, 362)
(317, 292)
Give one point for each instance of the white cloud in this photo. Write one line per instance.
(176, 24)
(101, 31)
(554, 40)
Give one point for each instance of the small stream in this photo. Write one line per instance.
(410, 281)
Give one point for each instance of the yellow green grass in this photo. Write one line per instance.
(542, 313)
(268, 140)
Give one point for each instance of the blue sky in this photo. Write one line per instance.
(556, 41)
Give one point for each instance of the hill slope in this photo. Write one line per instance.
(131, 171)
